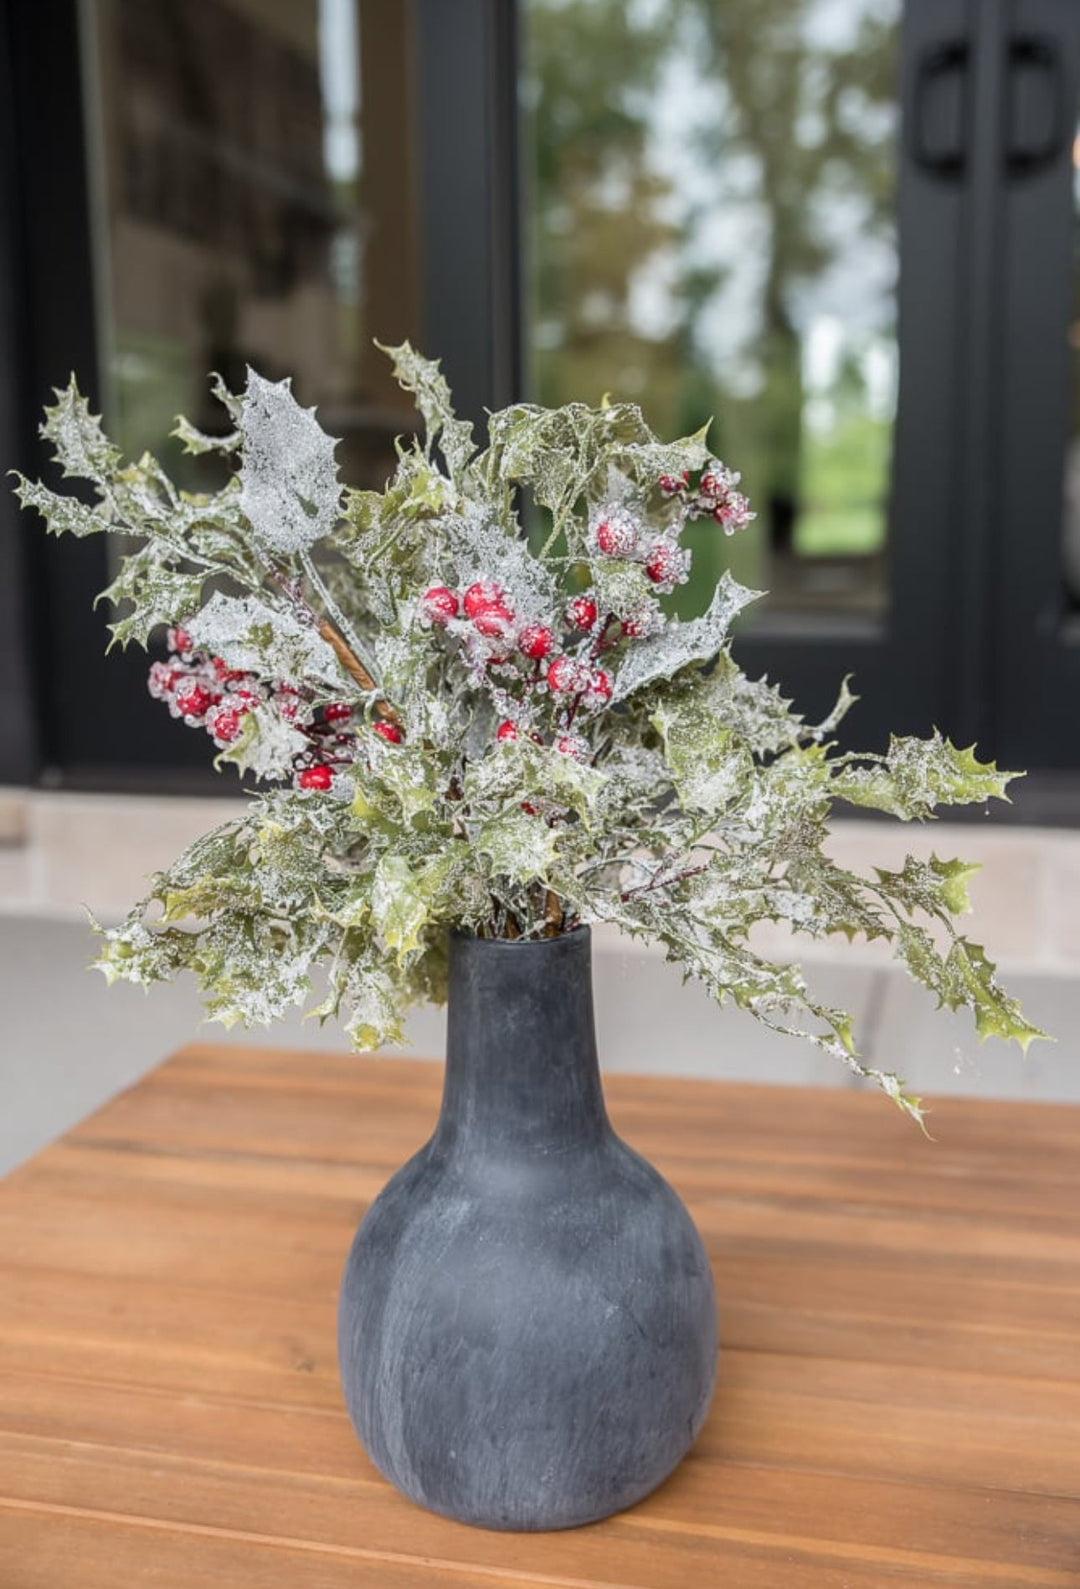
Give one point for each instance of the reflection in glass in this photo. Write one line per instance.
(247, 216)
(710, 219)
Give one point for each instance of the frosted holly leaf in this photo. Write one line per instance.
(482, 551)
(254, 637)
(648, 460)
(80, 445)
(424, 380)
(198, 441)
(916, 775)
(710, 766)
(371, 999)
(930, 886)
(520, 845)
(518, 768)
(828, 725)
(402, 897)
(679, 644)
(622, 588)
(157, 594)
(965, 978)
(289, 488)
(63, 515)
(266, 745)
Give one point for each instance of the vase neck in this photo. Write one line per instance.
(521, 1067)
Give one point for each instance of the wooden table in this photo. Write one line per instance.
(899, 1396)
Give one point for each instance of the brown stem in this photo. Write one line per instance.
(553, 915)
(355, 668)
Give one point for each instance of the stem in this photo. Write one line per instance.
(658, 881)
(335, 639)
(341, 622)
(553, 914)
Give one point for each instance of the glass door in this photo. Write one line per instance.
(1033, 627)
(756, 211)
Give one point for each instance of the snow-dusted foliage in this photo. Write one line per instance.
(457, 730)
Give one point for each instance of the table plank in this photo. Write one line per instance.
(899, 1397)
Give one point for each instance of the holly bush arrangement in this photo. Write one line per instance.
(461, 728)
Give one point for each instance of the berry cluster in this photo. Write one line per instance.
(484, 619)
(615, 533)
(204, 691)
(717, 496)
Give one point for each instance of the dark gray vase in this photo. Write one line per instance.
(527, 1324)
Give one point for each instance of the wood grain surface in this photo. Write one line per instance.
(899, 1393)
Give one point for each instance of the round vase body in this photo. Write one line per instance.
(527, 1325)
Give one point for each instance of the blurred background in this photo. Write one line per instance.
(846, 228)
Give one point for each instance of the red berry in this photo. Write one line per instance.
(573, 745)
(494, 620)
(535, 641)
(616, 534)
(582, 612)
(163, 679)
(506, 730)
(388, 731)
(193, 701)
(243, 700)
(567, 677)
(178, 640)
(224, 724)
(439, 604)
(483, 594)
(600, 687)
(337, 712)
(672, 484)
(316, 778)
(529, 809)
(661, 563)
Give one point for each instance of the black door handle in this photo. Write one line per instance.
(938, 114)
(1036, 125)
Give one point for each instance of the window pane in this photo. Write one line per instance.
(711, 230)
(249, 214)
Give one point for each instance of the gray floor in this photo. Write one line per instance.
(67, 1042)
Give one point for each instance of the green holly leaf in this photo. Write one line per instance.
(917, 775)
(63, 515)
(424, 381)
(519, 844)
(80, 445)
(679, 645)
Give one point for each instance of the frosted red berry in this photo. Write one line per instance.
(483, 594)
(388, 731)
(192, 700)
(337, 712)
(673, 484)
(600, 687)
(224, 724)
(179, 640)
(666, 564)
(535, 641)
(494, 620)
(581, 613)
(573, 745)
(506, 731)
(439, 604)
(616, 535)
(316, 778)
(567, 677)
